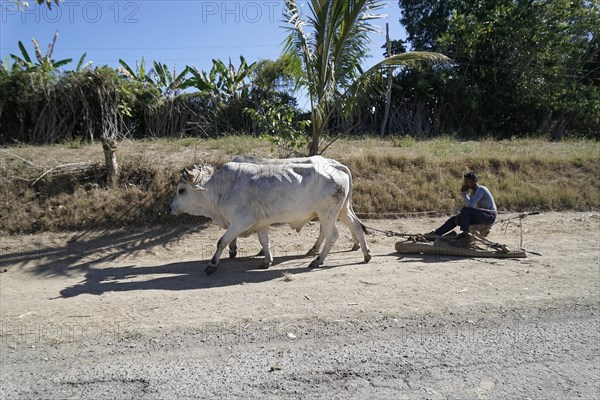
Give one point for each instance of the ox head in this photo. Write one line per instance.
(190, 183)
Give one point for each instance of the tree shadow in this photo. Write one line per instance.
(81, 252)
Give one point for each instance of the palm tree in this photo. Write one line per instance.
(330, 43)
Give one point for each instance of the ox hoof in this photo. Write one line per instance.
(367, 258)
(265, 265)
(233, 254)
(211, 269)
(312, 252)
(355, 247)
(314, 264)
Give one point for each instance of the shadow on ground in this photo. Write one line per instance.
(80, 252)
(187, 275)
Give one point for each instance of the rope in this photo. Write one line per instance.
(520, 216)
(389, 233)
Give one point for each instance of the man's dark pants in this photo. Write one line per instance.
(468, 216)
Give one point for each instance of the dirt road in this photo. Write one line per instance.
(131, 314)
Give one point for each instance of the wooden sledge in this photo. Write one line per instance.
(441, 247)
(474, 245)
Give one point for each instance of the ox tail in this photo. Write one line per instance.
(364, 228)
(345, 169)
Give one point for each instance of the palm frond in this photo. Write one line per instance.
(141, 69)
(330, 42)
(168, 74)
(125, 69)
(5, 67)
(370, 84)
(51, 46)
(38, 51)
(159, 72)
(80, 64)
(60, 63)
(297, 44)
(405, 59)
(24, 53)
(179, 81)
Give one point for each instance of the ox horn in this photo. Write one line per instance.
(198, 187)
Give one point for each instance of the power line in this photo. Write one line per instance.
(155, 48)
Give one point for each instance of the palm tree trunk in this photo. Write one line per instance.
(317, 131)
(313, 147)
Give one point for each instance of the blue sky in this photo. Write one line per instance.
(175, 32)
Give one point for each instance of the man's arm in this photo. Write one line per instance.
(465, 196)
(474, 199)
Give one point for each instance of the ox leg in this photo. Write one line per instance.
(263, 237)
(355, 241)
(315, 249)
(230, 234)
(349, 219)
(233, 248)
(331, 234)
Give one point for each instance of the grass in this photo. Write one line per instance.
(391, 177)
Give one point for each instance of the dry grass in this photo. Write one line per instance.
(390, 177)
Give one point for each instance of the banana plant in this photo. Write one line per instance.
(82, 65)
(204, 82)
(233, 83)
(6, 68)
(159, 76)
(222, 80)
(168, 82)
(42, 62)
(139, 74)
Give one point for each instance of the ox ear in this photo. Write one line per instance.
(187, 176)
(198, 187)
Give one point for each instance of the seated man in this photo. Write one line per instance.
(480, 207)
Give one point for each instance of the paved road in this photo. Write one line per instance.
(550, 353)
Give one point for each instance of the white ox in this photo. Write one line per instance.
(325, 163)
(247, 198)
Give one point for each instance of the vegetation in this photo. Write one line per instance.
(330, 45)
(392, 178)
(518, 68)
(48, 3)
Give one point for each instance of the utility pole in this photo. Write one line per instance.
(388, 94)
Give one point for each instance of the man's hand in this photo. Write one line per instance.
(464, 188)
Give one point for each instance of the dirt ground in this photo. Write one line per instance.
(131, 314)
